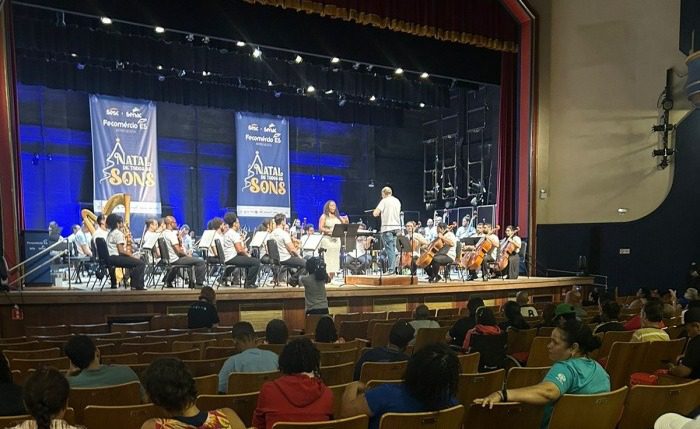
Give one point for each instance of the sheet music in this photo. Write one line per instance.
(149, 240)
(312, 242)
(259, 238)
(207, 239)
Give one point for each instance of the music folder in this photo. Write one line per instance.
(258, 238)
(312, 242)
(207, 238)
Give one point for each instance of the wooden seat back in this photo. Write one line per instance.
(602, 410)
(645, 404)
(121, 394)
(610, 338)
(357, 422)
(200, 367)
(33, 331)
(379, 335)
(520, 340)
(148, 357)
(426, 336)
(24, 365)
(338, 357)
(624, 359)
(505, 415)
(374, 315)
(120, 416)
(338, 391)
(54, 352)
(247, 382)
(337, 374)
(351, 329)
(539, 355)
(160, 346)
(207, 384)
(528, 376)
(274, 348)
(469, 363)
(449, 418)
(333, 347)
(660, 352)
(243, 404)
(472, 386)
(95, 328)
(215, 352)
(136, 326)
(382, 371)
(120, 359)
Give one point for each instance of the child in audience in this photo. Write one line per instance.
(46, 398)
(485, 325)
(276, 332)
(609, 315)
(514, 319)
(400, 335)
(10, 394)
(688, 366)
(203, 313)
(326, 332)
(462, 326)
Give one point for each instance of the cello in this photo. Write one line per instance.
(483, 247)
(506, 250)
(434, 247)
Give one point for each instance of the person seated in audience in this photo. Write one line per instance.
(421, 319)
(315, 299)
(564, 313)
(514, 319)
(526, 309)
(46, 399)
(86, 370)
(676, 421)
(635, 322)
(429, 384)
(276, 332)
(573, 297)
(548, 319)
(688, 366)
(10, 394)
(573, 371)
(326, 332)
(691, 295)
(249, 357)
(643, 294)
(400, 335)
(299, 395)
(170, 386)
(485, 325)
(459, 330)
(670, 301)
(203, 313)
(610, 315)
(651, 321)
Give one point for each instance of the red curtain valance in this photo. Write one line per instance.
(482, 23)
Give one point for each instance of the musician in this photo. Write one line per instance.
(289, 256)
(479, 230)
(326, 222)
(150, 241)
(358, 260)
(100, 228)
(120, 254)
(430, 231)
(389, 208)
(220, 228)
(466, 230)
(418, 242)
(82, 241)
(266, 225)
(235, 252)
(178, 255)
(187, 242)
(445, 256)
(493, 254)
(514, 258)
(308, 232)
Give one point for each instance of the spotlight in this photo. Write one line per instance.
(240, 43)
(106, 20)
(190, 37)
(424, 75)
(310, 89)
(159, 67)
(356, 66)
(372, 98)
(205, 40)
(369, 67)
(161, 78)
(181, 73)
(80, 66)
(341, 101)
(298, 59)
(269, 83)
(328, 92)
(257, 53)
(206, 73)
(119, 65)
(398, 71)
(421, 104)
(73, 54)
(335, 60)
(429, 206)
(159, 29)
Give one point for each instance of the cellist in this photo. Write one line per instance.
(445, 256)
(493, 254)
(514, 258)
(418, 242)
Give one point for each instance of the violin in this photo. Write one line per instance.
(482, 248)
(506, 250)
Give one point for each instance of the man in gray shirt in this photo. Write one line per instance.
(314, 284)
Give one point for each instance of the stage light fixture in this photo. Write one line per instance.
(206, 40)
(298, 59)
(119, 65)
(328, 91)
(341, 101)
(335, 60)
(158, 29)
(421, 104)
(161, 78)
(181, 73)
(269, 83)
(257, 53)
(310, 89)
(106, 20)
(398, 71)
(190, 37)
(373, 98)
(73, 54)
(356, 66)
(206, 73)
(424, 75)
(240, 43)
(80, 66)
(159, 67)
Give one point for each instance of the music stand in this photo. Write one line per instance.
(404, 245)
(258, 239)
(311, 243)
(343, 231)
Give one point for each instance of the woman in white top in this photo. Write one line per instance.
(120, 253)
(326, 222)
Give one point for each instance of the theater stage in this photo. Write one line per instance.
(54, 306)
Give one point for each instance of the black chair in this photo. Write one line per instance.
(274, 254)
(456, 263)
(105, 268)
(492, 349)
(227, 271)
(183, 270)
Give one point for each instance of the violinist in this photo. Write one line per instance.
(235, 252)
(445, 256)
(120, 253)
(493, 254)
(177, 255)
(514, 258)
(418, 242)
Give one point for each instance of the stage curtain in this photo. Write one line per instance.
(482, 23)
(507, 165)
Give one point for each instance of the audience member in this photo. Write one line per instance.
(299, 395)
(526, 309)
(459, 330)
(643, 294)
(276, 332)
(10, 394)
(548, 318)
(170, 386)
(485, 325)
(676, 421)
(46, 399)
(400, 335)
(203, 313)
(326, 332)
(249, 357)
(670, 302)
(421, 319)
(564, 313)
(651, 324)
(514, 319)
(429, 384)
(691, 294)
(86, 370)
(573, 371)
(609, 315)
(688, 366)
(573, 298)
(315, 300)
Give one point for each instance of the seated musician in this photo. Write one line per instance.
(358, 260)
(178, 256)
(493, 254)
(308, 232)
(220, 227)
(514, 258)
(466, 230)
(288, 253)
(120, 253)
(235, 252)
(445, 256)
(149, 244)
(418, 242)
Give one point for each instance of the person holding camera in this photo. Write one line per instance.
(314, 284)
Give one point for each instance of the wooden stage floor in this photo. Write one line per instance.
(53, 305)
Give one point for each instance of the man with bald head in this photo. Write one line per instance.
(178, 255)
(526, 309)
(573, 298)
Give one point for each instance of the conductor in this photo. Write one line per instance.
(389, 208)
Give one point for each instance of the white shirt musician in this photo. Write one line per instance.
(389, 208)
(235, 252)
(493, 253)
(120, 253)
(466, 230)
(177, 254)
(287, 252)
(445, 256)
(418, 243)
(514, 257)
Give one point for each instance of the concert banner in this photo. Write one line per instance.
(263, 165)
(125, 153)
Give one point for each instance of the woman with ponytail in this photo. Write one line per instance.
(46, 398)
(573, 371)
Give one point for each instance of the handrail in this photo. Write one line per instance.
(62, 252)
(61, 241)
